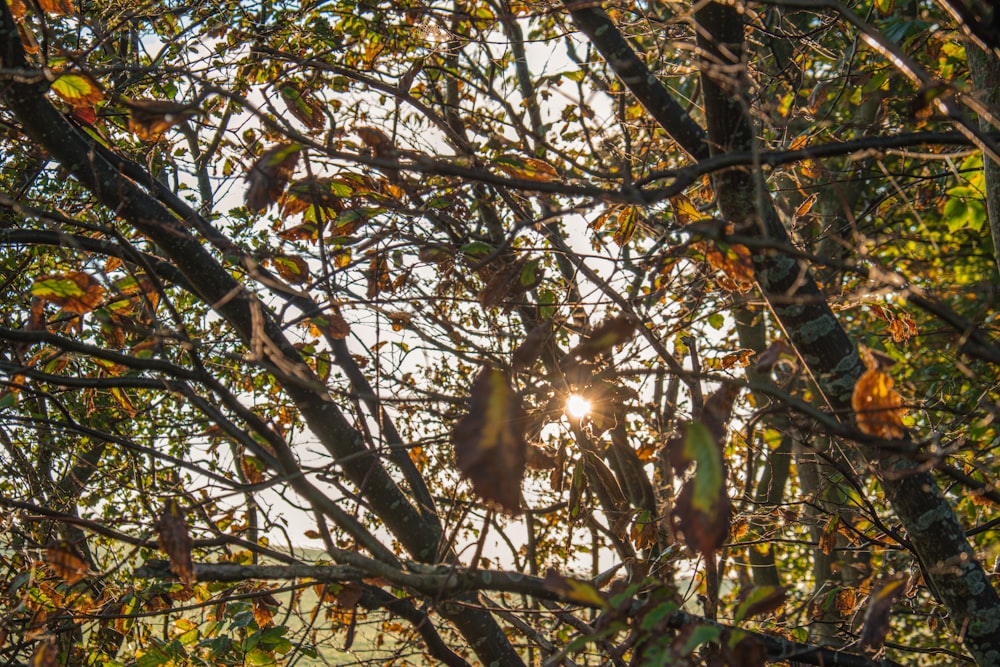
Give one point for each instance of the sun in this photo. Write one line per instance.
(577, 407)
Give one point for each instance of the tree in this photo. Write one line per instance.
(296, 295)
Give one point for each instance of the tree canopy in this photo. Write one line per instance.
(504, 333)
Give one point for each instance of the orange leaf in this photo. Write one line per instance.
(57, 6)
(75, 291)
(877, 406)
(735, 261)
(490, 448)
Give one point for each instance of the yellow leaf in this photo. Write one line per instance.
(685, 212)
(77, 89)
(574, 590)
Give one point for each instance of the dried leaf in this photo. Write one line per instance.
(718, 411)
(306, 109)
(489, 441)
(877, 406)
(66, 562)
(575, 590)
(741, 359)
(269, 176)
(149, 119)
(176, 542)
(735, 262)
(379, 279)
(377, 140)
(75, 291)
(628, 221)
(57, 6)
(606, 336)
(527, 168)
(876, 626)
(292, 268)
(828, 538)
(806, 206)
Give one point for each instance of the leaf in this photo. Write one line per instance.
(628, 220)
(574, 590)
(489, 441)
(176, 542)
(878, 408)
(540, 459)
(325, 193)
(735, 262)
(307, 110)
(685, 212)
(761, 600)
(804, 208)
(268, 176)
(741, 359)
(149, 119)
(77, 89)
(66, 562)
(876, 626)
(378, 141)
(531, 348)
(46, 655)
(57, 6)
(828, 538)
(702, 509)
(609, 334)
(527, 168)
(75, 291)
(292, 268)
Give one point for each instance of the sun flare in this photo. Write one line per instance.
(577, 407)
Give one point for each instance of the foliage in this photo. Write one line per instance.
(293, 297)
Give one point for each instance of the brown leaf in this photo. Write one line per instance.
(540, 459)
(149, 119)
(876, 625)
(489, 441)
(528, 351)
(379, 279)
(877, 406)
(75, 291)
(828, 538)
(292, 268)
(377, 140)
(608, 335)
(175, 541)
(268, 176)
(66, 562)
(718, 410)
(306, 109)
(741, 359)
